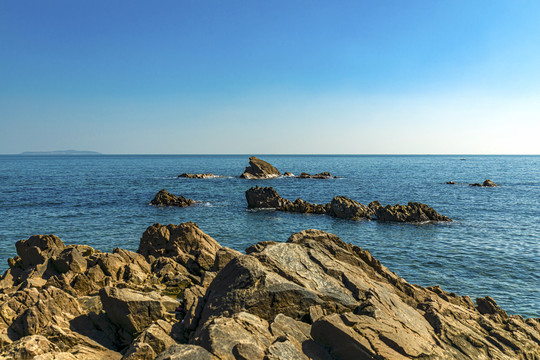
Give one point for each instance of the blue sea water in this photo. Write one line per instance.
(492, 247)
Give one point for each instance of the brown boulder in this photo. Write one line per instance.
(38, 248)
(134, 311)
(259, 169)
(184, 243)
(164, 198)
(265, 198)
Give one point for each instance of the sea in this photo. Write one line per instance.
(492, 248)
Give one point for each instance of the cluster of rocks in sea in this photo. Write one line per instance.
(486, 183)
(260, 169)
(198, 176)
(184, 296)
(165, 198)
(343, 207)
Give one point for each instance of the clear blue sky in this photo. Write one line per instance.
(422, 76)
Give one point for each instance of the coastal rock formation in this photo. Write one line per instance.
(323, 175)
(198, 176)
(313, 296)
(451, 182)
(288, 174)
(259, 169)
(413, 212)
(486, 183)
(164, 198)
(343, 207)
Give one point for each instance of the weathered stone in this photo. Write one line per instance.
(259, 169)
(70, 259)
(186, 352)
(164, 198)
(184, 243)
(134, 311)
(265, 198)
(38, 248)
(345, 208)
(413, 212)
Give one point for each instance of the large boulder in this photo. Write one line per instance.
(38, 248)
(185, 243)
(134, 311)
(165, 198)
(265, 198)
(259, 169)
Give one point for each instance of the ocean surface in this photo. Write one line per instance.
(492, 247)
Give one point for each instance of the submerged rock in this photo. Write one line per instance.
(486, 183)
(323, 175)
(259, 169)
(343, 207)
(198, 176)
(164, 198)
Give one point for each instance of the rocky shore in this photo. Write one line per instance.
(260, 169)
(343, 207)
(184, 296)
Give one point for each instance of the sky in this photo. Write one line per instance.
(270, 77)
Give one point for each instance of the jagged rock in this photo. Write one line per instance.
(154, 340)
(198, 176)
(241, 336)
(313, 297)
(323, 175)
(451, 182)
(133, 311)
(184, 243)
(38, 248)
(186, 352)
(486, 183)
(288, 174)
(265, 198)
(343, 207)
(164, 198)
(413, 212)
(259, 169)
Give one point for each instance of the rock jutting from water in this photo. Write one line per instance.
(343, 207)
(486, 183)
(198, 176)
(323, 175)
(165, 198)
(259, 169)
(184, 296)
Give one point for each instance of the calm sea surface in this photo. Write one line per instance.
(492, 247)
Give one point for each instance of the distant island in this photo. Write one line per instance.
(61, 152)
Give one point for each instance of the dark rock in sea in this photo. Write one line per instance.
(164, 198)
(198, 176)
(259, 169)
(486, 183)
(413, 212)
(323, 175)
(288, 174)
(343, 207)
(312, 297)
(451, 182)
(265, 198)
